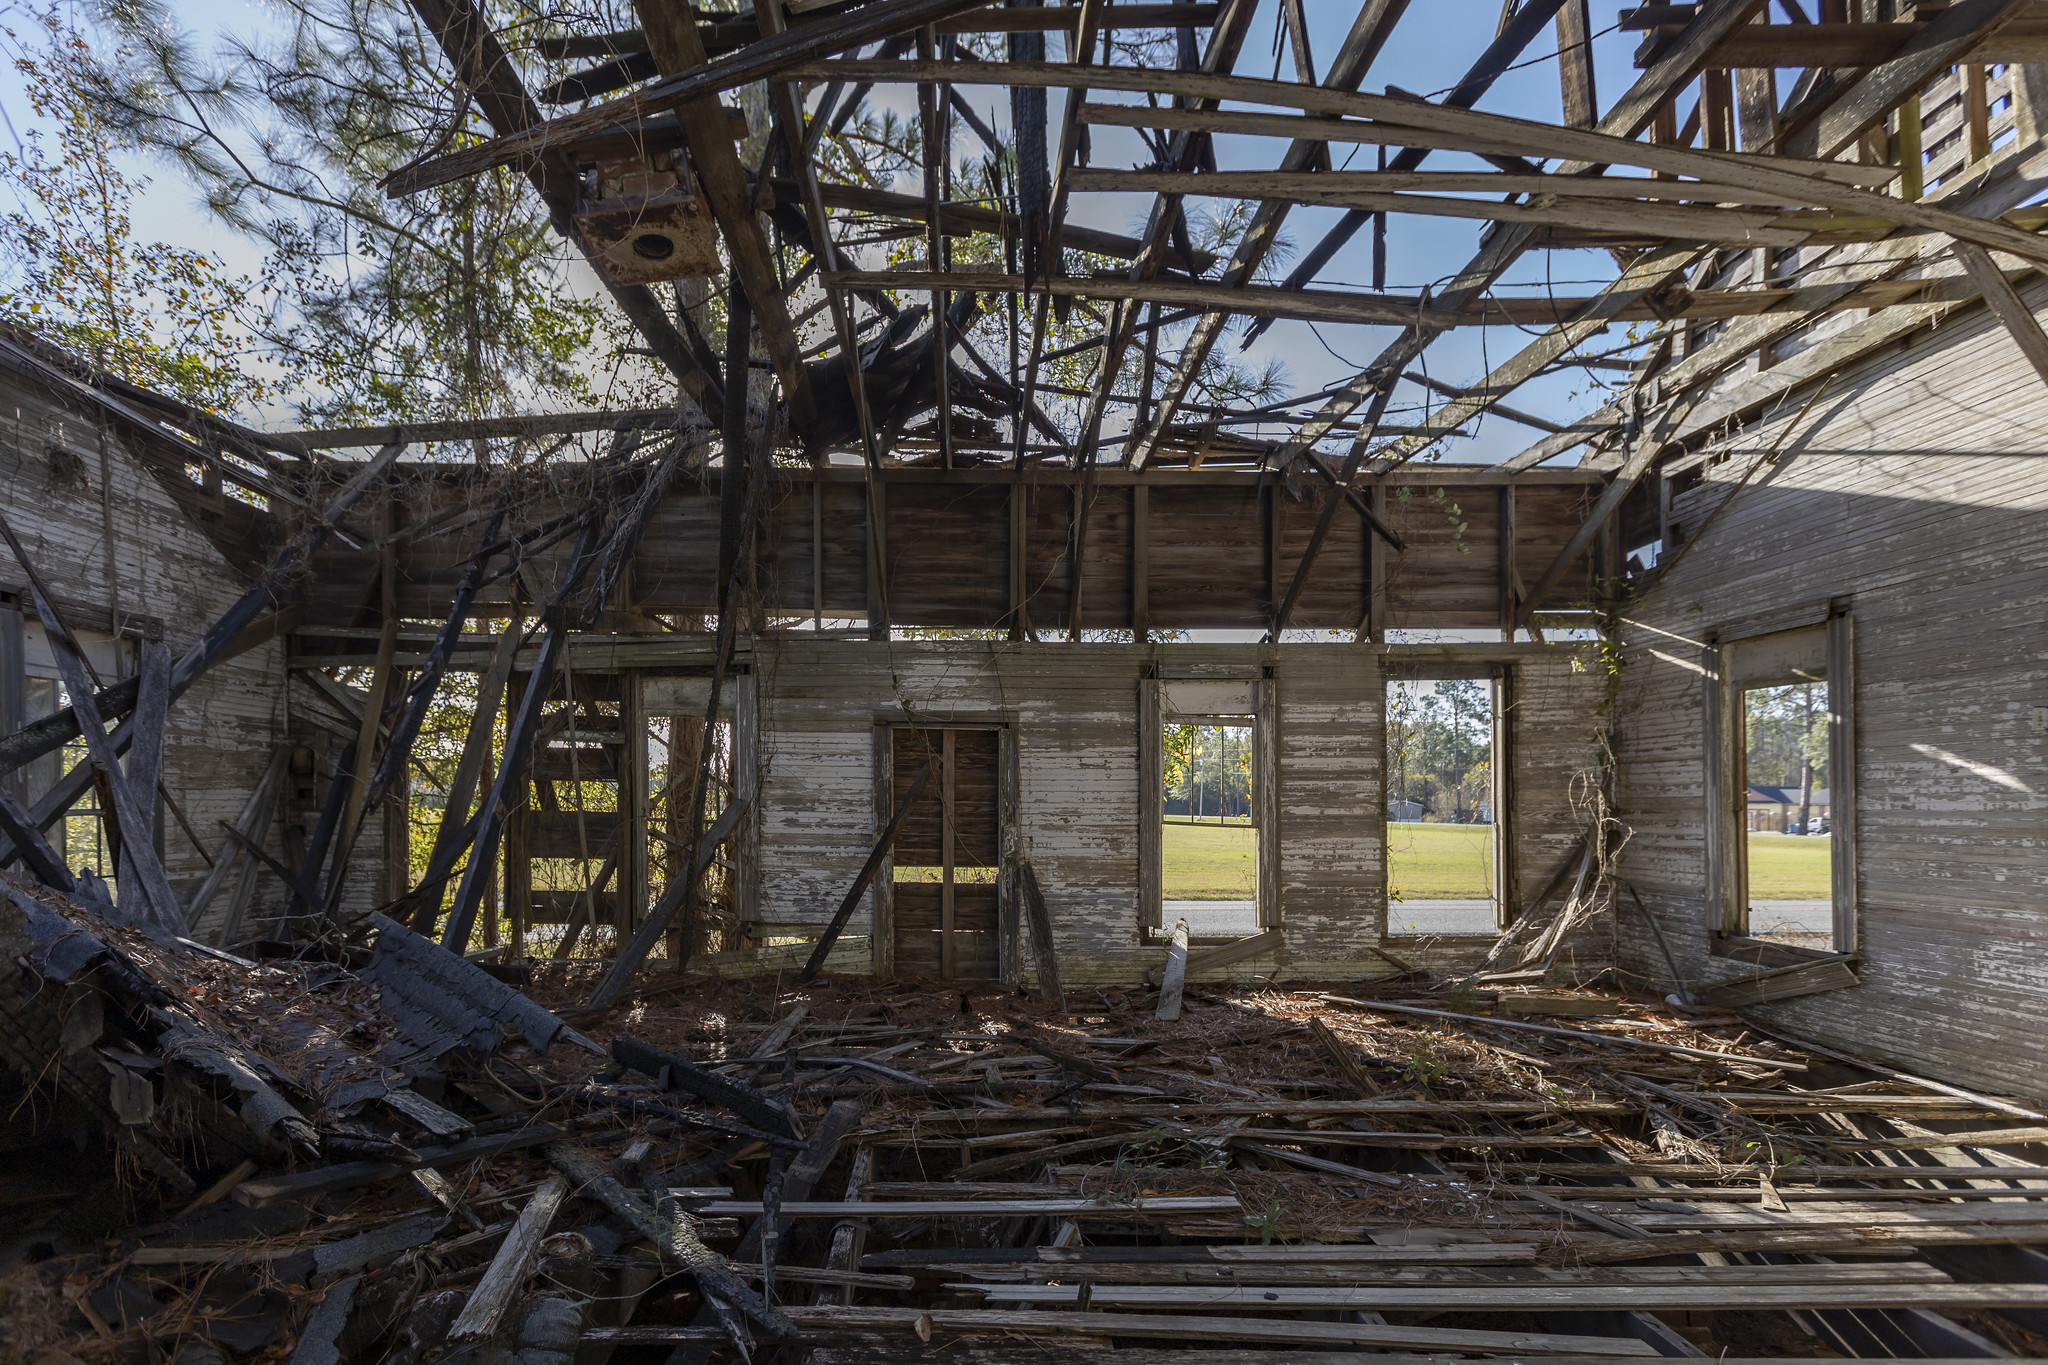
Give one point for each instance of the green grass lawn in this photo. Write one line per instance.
(1439, 862)
(1789, 868)
(1208, 862)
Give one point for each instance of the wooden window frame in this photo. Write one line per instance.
(1264, 701)
(1726, 787)
(1500, 760)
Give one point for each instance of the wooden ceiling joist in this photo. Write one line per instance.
(1340, 130)
(961, 220)
(1843, 46)
(1860, 271)
(1405, 120)
(1809, 179)
(1630, 116)
(1368, 34)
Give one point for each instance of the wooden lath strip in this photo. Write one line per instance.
(1368, 34)
(1406, 120)
(1860, 271)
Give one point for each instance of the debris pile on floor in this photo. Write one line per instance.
(379, 1151)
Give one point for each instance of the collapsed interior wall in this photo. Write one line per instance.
(116, 525)
(1907, 507)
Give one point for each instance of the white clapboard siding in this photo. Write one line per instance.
(1075, 712)
(165, 573)
(1919, 495)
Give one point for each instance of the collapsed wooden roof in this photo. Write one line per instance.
(1868, 194)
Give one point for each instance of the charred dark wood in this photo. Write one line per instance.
(680, 1073)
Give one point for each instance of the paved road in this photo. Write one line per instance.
(1237, 918)
(1414, 919)
(1791, 917)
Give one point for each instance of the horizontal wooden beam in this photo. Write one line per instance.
(1332, 305)
(1526, 1297)
(1316, 186)
(1327, 128)
(1322, 305)
(1859, 45)
(730, 35)
(1052, 476)
(1550, 208)
(471, 428)
(959, 220)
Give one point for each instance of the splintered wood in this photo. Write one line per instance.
(868, 1172)
(1425, 1168)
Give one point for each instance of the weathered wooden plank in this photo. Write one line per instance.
(1175, 976)
(506, 1275)
(1526, 1298)
(1196, 1327)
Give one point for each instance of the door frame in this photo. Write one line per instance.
(881, 892)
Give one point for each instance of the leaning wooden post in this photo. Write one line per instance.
(672, 897)
(867, 874)
(1176, 973)
(1041, 937)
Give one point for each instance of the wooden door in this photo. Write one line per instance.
(946, 854)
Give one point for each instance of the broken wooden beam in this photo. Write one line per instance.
(837, 926)
(657, 920)
(677, 1243)
(1229, 954)
(506, 1276)
(671, 1072)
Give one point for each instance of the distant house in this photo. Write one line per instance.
(1774, 810)
(1404, 810)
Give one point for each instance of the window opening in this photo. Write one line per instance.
(568, 843)
(1209, 835)
(676, 746)
(82, 837)
(944, 860)
(1441, 874)
(1787, 849)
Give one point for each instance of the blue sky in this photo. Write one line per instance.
(1431, 48)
